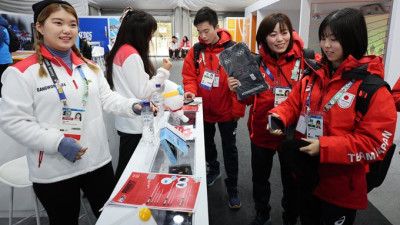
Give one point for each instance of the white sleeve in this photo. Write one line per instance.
(112, 101)
(138, 81)
(17, 117)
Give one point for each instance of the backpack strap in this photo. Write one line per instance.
(228, 44)
(308, 53)
(198, 47)
(368, 87)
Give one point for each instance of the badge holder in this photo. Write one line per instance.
(208, 80)
(281, 94)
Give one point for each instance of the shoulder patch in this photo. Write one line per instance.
(346, 100)
(26, 63)
(124, 52)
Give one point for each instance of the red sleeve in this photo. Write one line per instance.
(238, 109)
(370, 140)
(189, 73)
(289, 110)
(396, 94)
(247, 101)
(180, 46)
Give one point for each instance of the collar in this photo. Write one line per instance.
(76, 61)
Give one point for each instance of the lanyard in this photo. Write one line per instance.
(59, 88)
(204, 58)
(267, 71)
(86, 87)
(339, 94)
(284, 76)
(334, 99)
(56, 82)
(204, 62)
(295, 71)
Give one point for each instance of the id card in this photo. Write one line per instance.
(71, 122)
(302, 124)
(216, 81)
(207, 80)
(315, 126)
(281, 94)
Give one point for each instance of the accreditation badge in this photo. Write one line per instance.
(302, 124)
(281, 94)
(315, 126)
(207, 80)
(71, 122)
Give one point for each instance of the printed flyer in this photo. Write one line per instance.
(159, 191)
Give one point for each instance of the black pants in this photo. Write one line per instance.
(184, 52)
(261, 165)
(3, 67)
(127, 146)
(172, 52)
(314, 211)
(229, 151)
(61, 200)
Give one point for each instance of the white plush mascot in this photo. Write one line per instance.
(173, 99)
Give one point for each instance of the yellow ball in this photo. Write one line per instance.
(145, 214)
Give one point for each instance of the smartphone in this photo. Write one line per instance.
(187, 101)
(276, 124)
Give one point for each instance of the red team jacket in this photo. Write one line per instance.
(219, 103)
(184, 44)
(263, 102)
(396, 94)
(346, 148)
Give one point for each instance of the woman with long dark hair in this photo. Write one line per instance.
(184, 47)
(131, 73)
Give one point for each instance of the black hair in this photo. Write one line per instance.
(267, 26)
(136, 30)
(174, 37)
(206, 14)
(349, 28)
(186, 38)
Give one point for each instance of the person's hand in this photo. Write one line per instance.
(312, 149)
(81, 153)
(233, 83)
(154, 108)
(167, 64)
(189, 95)
(71, 149)
(276, 132)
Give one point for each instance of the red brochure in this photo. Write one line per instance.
(159, 191)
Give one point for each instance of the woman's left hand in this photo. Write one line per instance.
(312, 149)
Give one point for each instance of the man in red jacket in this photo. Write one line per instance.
(220, 106)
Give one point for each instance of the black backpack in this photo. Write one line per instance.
(370, 84)
(14, 45)
(377, 170)
(200, 46)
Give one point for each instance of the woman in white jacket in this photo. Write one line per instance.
(41, 97)
(131, 73)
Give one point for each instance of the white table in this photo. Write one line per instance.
(142, 160)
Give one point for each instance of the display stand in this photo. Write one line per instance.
(149, 157)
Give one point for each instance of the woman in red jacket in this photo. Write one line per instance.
(343, 145)
(184, 47)
(282, 60)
